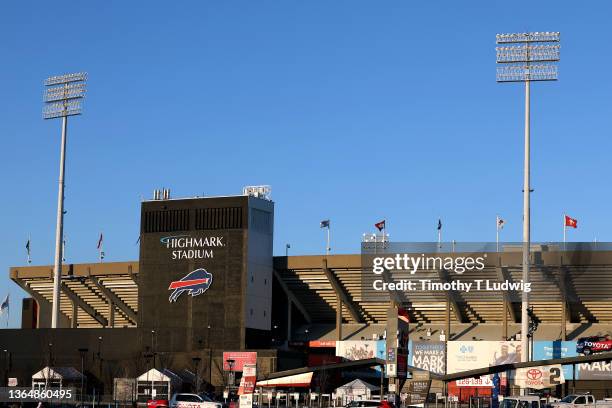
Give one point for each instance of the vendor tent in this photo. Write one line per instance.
(62, 377)
(156, 384)
(355, 390)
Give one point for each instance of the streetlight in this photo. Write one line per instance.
(62, 99)
(230, 363)
(50, 354)
(153, 346)
(82, 352)
(527, 57)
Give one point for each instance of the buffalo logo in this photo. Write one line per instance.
(195, 283)
(534, 374)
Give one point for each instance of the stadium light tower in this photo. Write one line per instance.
(62, 98)
(527, 57)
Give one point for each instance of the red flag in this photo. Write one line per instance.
(571, 222)
(380, 225)
(100, 241)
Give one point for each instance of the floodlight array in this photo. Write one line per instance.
(527, 57)
(64, 79)
(520, 73)
(528, 53)
(64, 92)
(63, 108)
(547, 36)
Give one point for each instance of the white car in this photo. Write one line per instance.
(192, 401)
(525, 401)
(581, 401)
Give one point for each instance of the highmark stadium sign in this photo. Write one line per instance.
(186, 247)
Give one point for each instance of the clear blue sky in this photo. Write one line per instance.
(352, 110)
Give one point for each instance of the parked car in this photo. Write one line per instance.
(182, 400)
(593, 344)
(581, 401)
(157, 403)
(523, 401)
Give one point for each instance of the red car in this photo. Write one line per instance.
(157, 403)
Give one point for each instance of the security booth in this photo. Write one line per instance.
(157, 385)
(58, 377)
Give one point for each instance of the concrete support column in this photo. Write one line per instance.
(448, 317)
(339, 317)
(564, 319)
(505, 319)
(74, 323)
(111, 314)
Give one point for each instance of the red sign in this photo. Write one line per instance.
(322, 343)
(248, 380)
(240, 358)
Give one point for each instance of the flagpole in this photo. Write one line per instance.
(497, 232)
(29, 246)
(439, 232)
(328, 248)
(564, 231)
(375, 241)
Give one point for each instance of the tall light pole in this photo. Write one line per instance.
(527, 57)
(63, 98)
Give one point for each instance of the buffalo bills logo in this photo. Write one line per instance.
(195, 283)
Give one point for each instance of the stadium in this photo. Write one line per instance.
(207, 296)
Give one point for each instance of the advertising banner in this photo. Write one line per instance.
(360, 349)
(468, 355)
(240, 358)
(484, 381)
(322, 343)
(546, 350)
(428, 355)
(601, 370)
(417, 392)
(248, 380)
(539, 377)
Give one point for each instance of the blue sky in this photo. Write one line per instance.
(352, 110)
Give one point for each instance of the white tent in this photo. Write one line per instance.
(156, 384)
(57, 377)
(355, 390)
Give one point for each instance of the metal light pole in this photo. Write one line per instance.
(230, 363)
(527, 57)
(62, 99)
(83, 353)
(196, 362)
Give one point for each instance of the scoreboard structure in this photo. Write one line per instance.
(205, 269)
